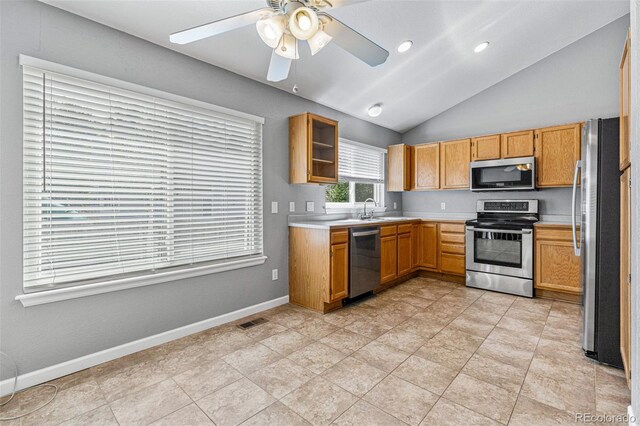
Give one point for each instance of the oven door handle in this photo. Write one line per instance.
(502, 231)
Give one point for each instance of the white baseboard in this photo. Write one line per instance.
(53, 372)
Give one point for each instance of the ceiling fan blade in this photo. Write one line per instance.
(218, 27)
(355, 43)
(278, 67)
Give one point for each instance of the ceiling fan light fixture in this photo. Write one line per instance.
(319, 41)
(375, 110)
(271, 29)
(304, 23)
(288, 47)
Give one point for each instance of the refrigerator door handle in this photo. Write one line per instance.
(576, 249)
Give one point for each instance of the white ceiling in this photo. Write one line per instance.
(439, 72)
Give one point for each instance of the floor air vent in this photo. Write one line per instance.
(252, 323)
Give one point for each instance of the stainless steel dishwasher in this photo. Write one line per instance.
(364, 260)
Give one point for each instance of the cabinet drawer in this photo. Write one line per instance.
(404, 228)
(339, 236)
(388, 230)
(452, 238)
(452, 263)
(455, 228)
(452, 248)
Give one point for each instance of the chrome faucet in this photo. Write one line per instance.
(364, 214)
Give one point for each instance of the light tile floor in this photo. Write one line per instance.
(425, 352)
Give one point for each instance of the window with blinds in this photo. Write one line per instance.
(360, 163)
(118, 183)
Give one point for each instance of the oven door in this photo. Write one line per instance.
(503, 175)
(500, 251)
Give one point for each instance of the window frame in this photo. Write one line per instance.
(379, 187)
(107, 284)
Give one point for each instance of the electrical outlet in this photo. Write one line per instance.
(395, 205)
(310, 206)
(292, 206)
(274, 207)
(274, 274)
(443, 206)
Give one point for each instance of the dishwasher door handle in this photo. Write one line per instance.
(364, 234)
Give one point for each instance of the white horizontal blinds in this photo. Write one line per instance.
(359, 163)
(116, 182)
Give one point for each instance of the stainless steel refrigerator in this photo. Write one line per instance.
(598, 221)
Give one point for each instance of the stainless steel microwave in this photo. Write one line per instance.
(511, 174)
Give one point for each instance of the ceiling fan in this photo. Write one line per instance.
(283, 24)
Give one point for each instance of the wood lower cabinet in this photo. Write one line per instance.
(557, 268)
(313, 149)
(426, 166)
(485, 148)
(625, 272)
(557, 149)
(517, 144)
(318, 267)
(339, 285)
(415, 244)
(398, 168)
(428, 246)
(454, 164)
(388, 253)
(405, 248)
(451, 248)
(625, 104)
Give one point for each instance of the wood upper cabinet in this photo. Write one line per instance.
(398, 168)
(405, 248)
(426, 166)
(313, 149)
(485, 148)
(517, 144)
(388, 254)
(625, 272)
(454, 164)
(339, 286)
(451, 248)
(557, 268)
(625, 105)
(557, 149)
(428, 245)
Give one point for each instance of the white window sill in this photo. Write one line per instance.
(59, 294)
(353, 209)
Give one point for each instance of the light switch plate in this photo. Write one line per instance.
(443, 206)
(274, 274)
(310, 206)
(292, 206)
(395, 205)
(274, 207)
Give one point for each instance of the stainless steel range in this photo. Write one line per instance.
(499, 253)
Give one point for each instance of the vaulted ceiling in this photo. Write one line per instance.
(440, 71)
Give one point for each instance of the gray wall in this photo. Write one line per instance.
(44, 335)
(574, 84)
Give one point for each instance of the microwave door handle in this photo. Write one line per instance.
(574, 229)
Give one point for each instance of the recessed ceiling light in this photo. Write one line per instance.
(404, 46)
(375, 110)
(479, 48)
